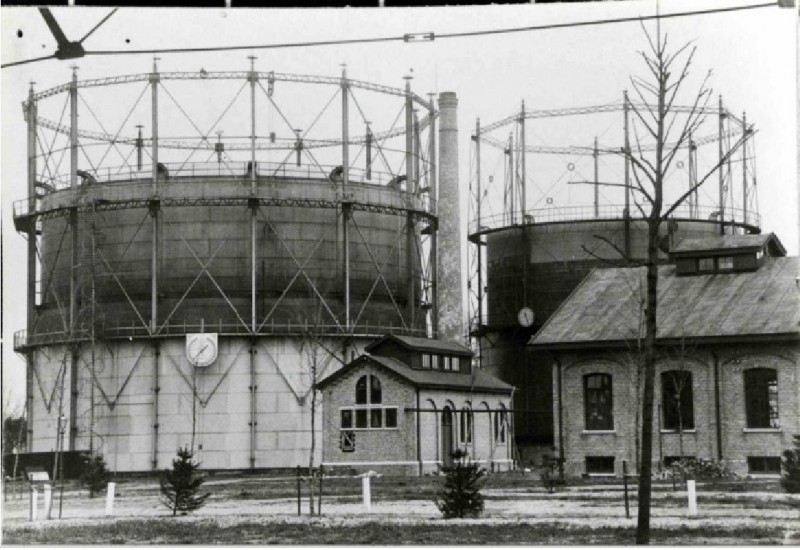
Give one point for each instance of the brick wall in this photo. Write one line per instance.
(737, 441)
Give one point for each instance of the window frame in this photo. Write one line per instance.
(466, 425)
(603, 471)
(590, 422)
(764, 461)
(701, 269)
(760, 411)
(729, 259)
(500, 424)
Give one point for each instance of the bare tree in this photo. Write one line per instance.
(657, 120)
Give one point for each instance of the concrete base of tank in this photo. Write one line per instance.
(137, 410)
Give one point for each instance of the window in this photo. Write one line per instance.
(446, 362)
(434, 361)
(361, 390)
(764, 464)
(500, 422)
(368, 413)
(597, 402)
(466, 425)
(705, 264)
(676, 400)
(761, 398)
(426, 361)
(455, 364)
(600, 465)
(347, 441)
(725, 263)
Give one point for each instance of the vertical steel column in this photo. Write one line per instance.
(73, 220)
(411, 185)
(512, 175)
(721, 175)
(155, 207)
(523, 182)
(627, 145)
(345, 198)
(412, 188)
(744, 167)
(253, 204)
(479, 244)
(596, 155)
(30, 116)
(369, 152)
(451, 286)
(692, 195)
(139, 147)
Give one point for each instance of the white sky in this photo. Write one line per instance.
(752, 54)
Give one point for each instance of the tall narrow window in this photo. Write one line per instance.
(761, 398)
(361, 390)
(375, 395)
(676, 400)
(466, 425)
(598, 402)
(500, 420)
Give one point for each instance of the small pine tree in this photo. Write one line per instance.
(791, 468)
(180, 485)
(461, 497)
(96, 475)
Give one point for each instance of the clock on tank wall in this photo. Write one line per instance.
(525, 317)
(201, 348)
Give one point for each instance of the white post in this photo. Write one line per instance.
(692, 497)
(34, 508)
(110, 498)
(48, 499)
(365, 492)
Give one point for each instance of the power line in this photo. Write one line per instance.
(415, 37)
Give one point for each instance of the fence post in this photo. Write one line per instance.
(298, 490)
(34, 504)
(690, 489)
(110, 498)
(319, 498)
(48, 499)
(625, 485)
(365, 493)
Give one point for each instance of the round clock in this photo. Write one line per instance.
(525, 317)
(201, 349)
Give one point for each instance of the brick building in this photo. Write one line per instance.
(407, 403)
(727, 382)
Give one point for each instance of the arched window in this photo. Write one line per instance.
(375, 396)
(597, 400)
(761, 398)
(361, 390)
(465, 435)
(368, 412)
(500, 423)
(677, 400)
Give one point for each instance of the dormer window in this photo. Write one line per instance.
(725, 263)
(705, 265)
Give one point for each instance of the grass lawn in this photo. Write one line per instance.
(179, 531)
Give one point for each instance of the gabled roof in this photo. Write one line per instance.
(427, 345)
(720, 243)
(426, 379)
(605, 308)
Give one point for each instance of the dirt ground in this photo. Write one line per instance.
(588, 506)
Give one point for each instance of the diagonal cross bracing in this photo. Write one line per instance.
(125, 292)
(380, 274)
(112, 404)
(191, 286)
(216, 285)
(308, 279)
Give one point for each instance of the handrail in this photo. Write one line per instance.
(604, 213)
(131, 329)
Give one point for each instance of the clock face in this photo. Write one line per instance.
(525, 317)
(201, 349)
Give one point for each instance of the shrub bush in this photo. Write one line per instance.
(701, 468)
(791, 468)
(96, 475)
(180, 485)
(461, 496)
